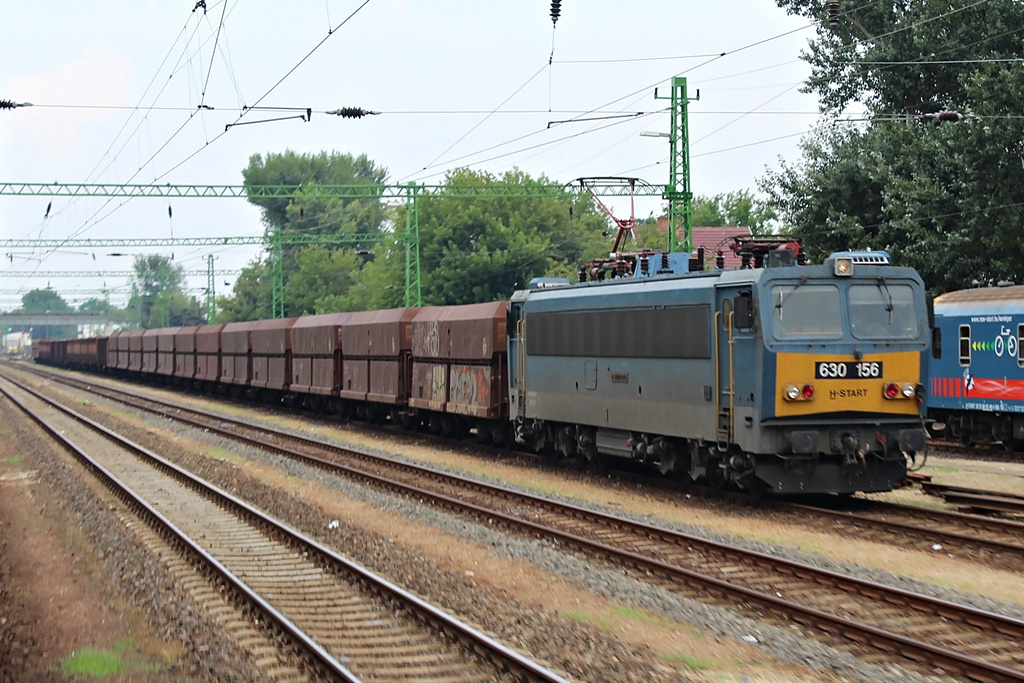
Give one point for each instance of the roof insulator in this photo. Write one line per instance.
(351, 112)
(833, 14)
(556, 10)
(949, 115)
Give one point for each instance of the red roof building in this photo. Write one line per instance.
(713, 240)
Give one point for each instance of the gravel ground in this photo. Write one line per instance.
(120, 565)
(576, 649)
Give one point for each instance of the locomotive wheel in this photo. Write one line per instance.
(566, 442)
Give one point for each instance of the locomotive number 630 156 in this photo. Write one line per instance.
(847, 370)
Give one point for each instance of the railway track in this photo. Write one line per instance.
(333, 619)
(866, 618)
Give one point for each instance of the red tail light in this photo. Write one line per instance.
(807, 392)
(892, 390)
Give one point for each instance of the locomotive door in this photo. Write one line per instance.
(734, 358)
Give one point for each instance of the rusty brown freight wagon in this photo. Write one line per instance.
(149, 351)
(272, 354)
(317, 354)
(42, 351)
(185, 354)
(112, 346)
(165, 350)
(133, 359)
(208, 339)
(458, 362)
(236, 353)
(376, 362)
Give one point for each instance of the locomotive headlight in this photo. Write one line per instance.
(908, 391)
(843, 266)
(892, 390)
(792, 393)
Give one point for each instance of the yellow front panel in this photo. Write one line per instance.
(833, 395)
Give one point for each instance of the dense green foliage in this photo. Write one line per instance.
(740, 208)
(483, 249)
(943, 197)
(47, 301)
(471, 250)
(158, 297)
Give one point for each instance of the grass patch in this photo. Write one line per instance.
(14, 460)
(639, 615)
(965, 586)
(93, 662)
(588, 619)
(688, 662)
(221, 454)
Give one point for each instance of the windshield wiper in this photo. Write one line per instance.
(800, 284)
(884, 288)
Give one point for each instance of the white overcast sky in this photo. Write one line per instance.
(116, 86)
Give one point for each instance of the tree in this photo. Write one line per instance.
(305, 214)
(484, 248)
(739, 208)
(251, 297)
(323, 275)
(941, 196)
(44, 301)
(158, 295)
(94, 306)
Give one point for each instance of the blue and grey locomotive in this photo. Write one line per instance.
(977, 372)
(783, 379)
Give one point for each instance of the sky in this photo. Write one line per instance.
(141, 92)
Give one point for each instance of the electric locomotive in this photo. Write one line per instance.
(976, 376)
(783, 379)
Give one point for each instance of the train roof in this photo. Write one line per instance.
(1008, 300)
(979, 294)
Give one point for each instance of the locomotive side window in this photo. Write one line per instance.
(883, 311)
(1020, 341)
(965, 345)
(806, 311)
(677, 332)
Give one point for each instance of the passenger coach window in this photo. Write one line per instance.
(1020, 342)
(806, 311)
(883, 311)
(965, 345)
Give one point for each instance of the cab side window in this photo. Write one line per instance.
(965, 345)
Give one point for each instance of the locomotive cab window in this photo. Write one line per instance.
(883, 311)
(965, 345)
(806, 311)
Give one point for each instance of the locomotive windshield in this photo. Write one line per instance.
(876, 311)
(883, 311)
(804, 311)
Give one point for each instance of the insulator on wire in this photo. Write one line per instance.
(351, 112)
(833, 14)
(949, 115)
(556, 10)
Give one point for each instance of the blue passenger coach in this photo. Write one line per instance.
(787, 378)
(976, 372)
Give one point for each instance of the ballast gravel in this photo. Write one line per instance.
(575, 648)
